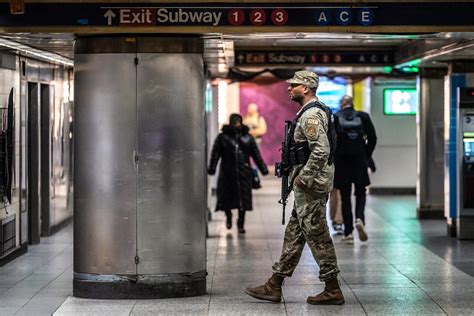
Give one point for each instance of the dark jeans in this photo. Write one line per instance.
(346, 205)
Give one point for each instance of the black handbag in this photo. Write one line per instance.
(255, 180)
(371, 164)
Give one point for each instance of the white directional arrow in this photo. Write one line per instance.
(109, 15)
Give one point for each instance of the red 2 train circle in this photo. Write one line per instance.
(258, 17)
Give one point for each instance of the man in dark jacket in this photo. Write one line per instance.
(356, 140)
(234, 145)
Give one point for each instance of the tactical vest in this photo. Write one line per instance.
(299, 152)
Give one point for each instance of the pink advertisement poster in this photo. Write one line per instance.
(275, 106)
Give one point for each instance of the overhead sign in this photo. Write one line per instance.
(215, 15)
(313, 58)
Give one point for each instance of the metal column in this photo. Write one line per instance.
(140, 177)
(430, 146)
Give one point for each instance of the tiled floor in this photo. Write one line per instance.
(38, 282)
(407, 267)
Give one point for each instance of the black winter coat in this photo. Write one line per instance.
(352, 168)
(234, 186)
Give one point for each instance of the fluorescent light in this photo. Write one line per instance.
(40, 54)
(222, 102)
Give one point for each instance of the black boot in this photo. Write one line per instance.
(241, 221)
(228, 214)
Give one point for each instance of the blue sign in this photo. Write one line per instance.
(344, 16)
(365, 16)
(323, 17)
(211, 15)
(313, 58)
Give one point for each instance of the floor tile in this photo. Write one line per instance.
(76, 306)
(406, 267)
(384, 301)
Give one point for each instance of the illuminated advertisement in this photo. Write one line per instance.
(400, 101)
(330, 92)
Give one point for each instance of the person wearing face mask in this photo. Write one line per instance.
(234, 146)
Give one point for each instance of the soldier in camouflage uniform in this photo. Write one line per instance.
(311, 185)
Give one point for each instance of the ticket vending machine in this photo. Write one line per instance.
(465, 178)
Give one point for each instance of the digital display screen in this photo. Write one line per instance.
(466, 98)
(400, 101)
(469, 147)
(468, 92)
(330, 92)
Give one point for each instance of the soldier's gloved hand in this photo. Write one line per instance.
(299, 184)
(211, 171)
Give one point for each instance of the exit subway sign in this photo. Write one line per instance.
(313, 58)
(235, 16)
(215, 16)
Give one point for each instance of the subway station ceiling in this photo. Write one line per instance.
(222, 50)
(359, 36)
(405, 50)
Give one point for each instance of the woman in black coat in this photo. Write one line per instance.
(234, 145)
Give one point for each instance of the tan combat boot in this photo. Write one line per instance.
(332, 295)
(327, 297)
(270, 291)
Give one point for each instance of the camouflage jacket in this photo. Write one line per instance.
(316, 174)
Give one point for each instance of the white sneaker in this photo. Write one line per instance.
(349, 239)
(338, 229)
(361, 230)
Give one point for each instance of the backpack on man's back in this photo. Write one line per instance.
(350, 133)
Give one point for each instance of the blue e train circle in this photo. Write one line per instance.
(343, 16)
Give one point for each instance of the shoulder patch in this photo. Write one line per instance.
(311, 131)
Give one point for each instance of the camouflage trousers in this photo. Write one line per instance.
(308, 225)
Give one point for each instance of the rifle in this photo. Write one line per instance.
(282, 169)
